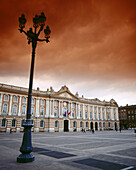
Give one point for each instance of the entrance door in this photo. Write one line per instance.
(96, 126)
(91, 125)
(66, 126)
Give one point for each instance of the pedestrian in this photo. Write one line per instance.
(10, 131)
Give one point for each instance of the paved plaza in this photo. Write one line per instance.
(109, 150)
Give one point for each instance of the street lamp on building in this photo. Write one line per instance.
(32, 36)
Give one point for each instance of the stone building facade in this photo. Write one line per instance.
(127, 116)
(49, 110)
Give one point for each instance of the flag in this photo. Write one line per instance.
(69, 113)
(64, 114)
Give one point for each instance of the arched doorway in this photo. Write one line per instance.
(66, 126)
(96, 126)
(91, 125)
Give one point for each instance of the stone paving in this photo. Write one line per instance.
(72, 150)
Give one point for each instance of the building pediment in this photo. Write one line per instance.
(65, 95)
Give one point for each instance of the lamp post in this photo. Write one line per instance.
(32, 36)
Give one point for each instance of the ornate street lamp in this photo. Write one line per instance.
(32, 36)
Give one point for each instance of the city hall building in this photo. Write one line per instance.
(55, 111)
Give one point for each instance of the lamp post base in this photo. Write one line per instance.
(24, 158)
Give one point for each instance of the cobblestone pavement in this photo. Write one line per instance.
(71, 151)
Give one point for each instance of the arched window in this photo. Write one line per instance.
(3, 123)
(103, 124)
(15, 98)
(13, 123)
(56, 124)
(5, 97)
(14, 109)
(81, 124)
(74, 124)
(41, 123)
(86, 124)
(55, 112)
(41, 111)
(5, 108)
(100, 124)
(23, 110)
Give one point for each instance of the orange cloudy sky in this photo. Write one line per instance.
(92, 47)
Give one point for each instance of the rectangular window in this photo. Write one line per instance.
(72, 113)
(33, 101)
(103, 109)
(41, 111)
(95, 108)
(42, 102)
(23, 110)
(13, 123)
(32, 110)
(80, 113)
(73, 105)
(5, 108)
(103, 116)
(90, 115)
(80, 107)
(85, 107)
(99, 108)
(90, 107)
(41, 123)
(3, 123)
(55, 103)
(14, 109)
(86, 115)
(55, 112)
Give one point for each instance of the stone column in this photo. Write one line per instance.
(83, 111)
(10, 104)
(37, 108)
(105, 116)
(76, 111)
(1, 97)
(97, 117)
(92, 112)
(19, 109)
(101, 114)
(50, 108)
(47, 107)
(117, 114)
(59, 108)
